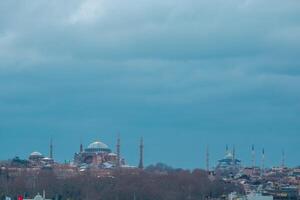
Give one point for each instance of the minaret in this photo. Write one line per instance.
(134, 196)
(118, 151)
(227, 149)
(233, 153)
(263, 162)
(283, 158)
(253, 157)
(207, 158)
(81, 148)
(141, 164)
(51, 149)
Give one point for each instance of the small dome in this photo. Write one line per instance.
(97, 145)
(47, 159)
(36, 153)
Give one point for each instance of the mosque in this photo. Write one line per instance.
(37, 159)
(229, 165)
(96, 155)
(99, 155)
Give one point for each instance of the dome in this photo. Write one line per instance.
(112, 154)
(97, 145)
(47, 159)
(36, 153)
(229, 156)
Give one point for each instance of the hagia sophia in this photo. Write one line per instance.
(97, 155)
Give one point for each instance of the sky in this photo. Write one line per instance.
(182, 74)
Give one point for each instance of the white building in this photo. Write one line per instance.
(39, 197)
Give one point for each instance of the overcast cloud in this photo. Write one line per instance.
(183, 74)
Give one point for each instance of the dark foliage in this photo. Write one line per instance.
(123, 185)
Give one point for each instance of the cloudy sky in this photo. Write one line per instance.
(183, 74)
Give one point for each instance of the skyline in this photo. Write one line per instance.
(183, 74)
(248, 162)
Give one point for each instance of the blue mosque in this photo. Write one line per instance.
(229, 165)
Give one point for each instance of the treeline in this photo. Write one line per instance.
(150, 184)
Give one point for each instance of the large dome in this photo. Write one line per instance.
(36, 154)
(97, 145)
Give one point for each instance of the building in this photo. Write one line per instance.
(282, 192)
(39, 160)
(39, 197)
(259, 196)
(97, 155)
(36, 156)
(229, 165)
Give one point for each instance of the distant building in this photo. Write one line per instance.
(97, 155)
(39, 197)
(17, 162)
(281, 192)
(259, 196)
(36, 156)
(38, 159)
(229, 165)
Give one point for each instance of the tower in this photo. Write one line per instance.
(283, 158)
(263, 162)
(118, 151)
(51, 149)
(81, 148)
(141, 163)
(253, 157)
(207, 158)
(233, 153)
(227, 149)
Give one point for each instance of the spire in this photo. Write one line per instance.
(253, 156)
(51, 149)
(263, 162)
(233, 152)
(227, 149)
(118, 151)
(207, 158)
(81, 148)
(283, 158)
(141, 164)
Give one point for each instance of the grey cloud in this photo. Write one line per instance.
(155, 30)
(150, 66)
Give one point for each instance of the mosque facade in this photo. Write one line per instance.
(98, 155)
(37, 159)
(229, 165)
